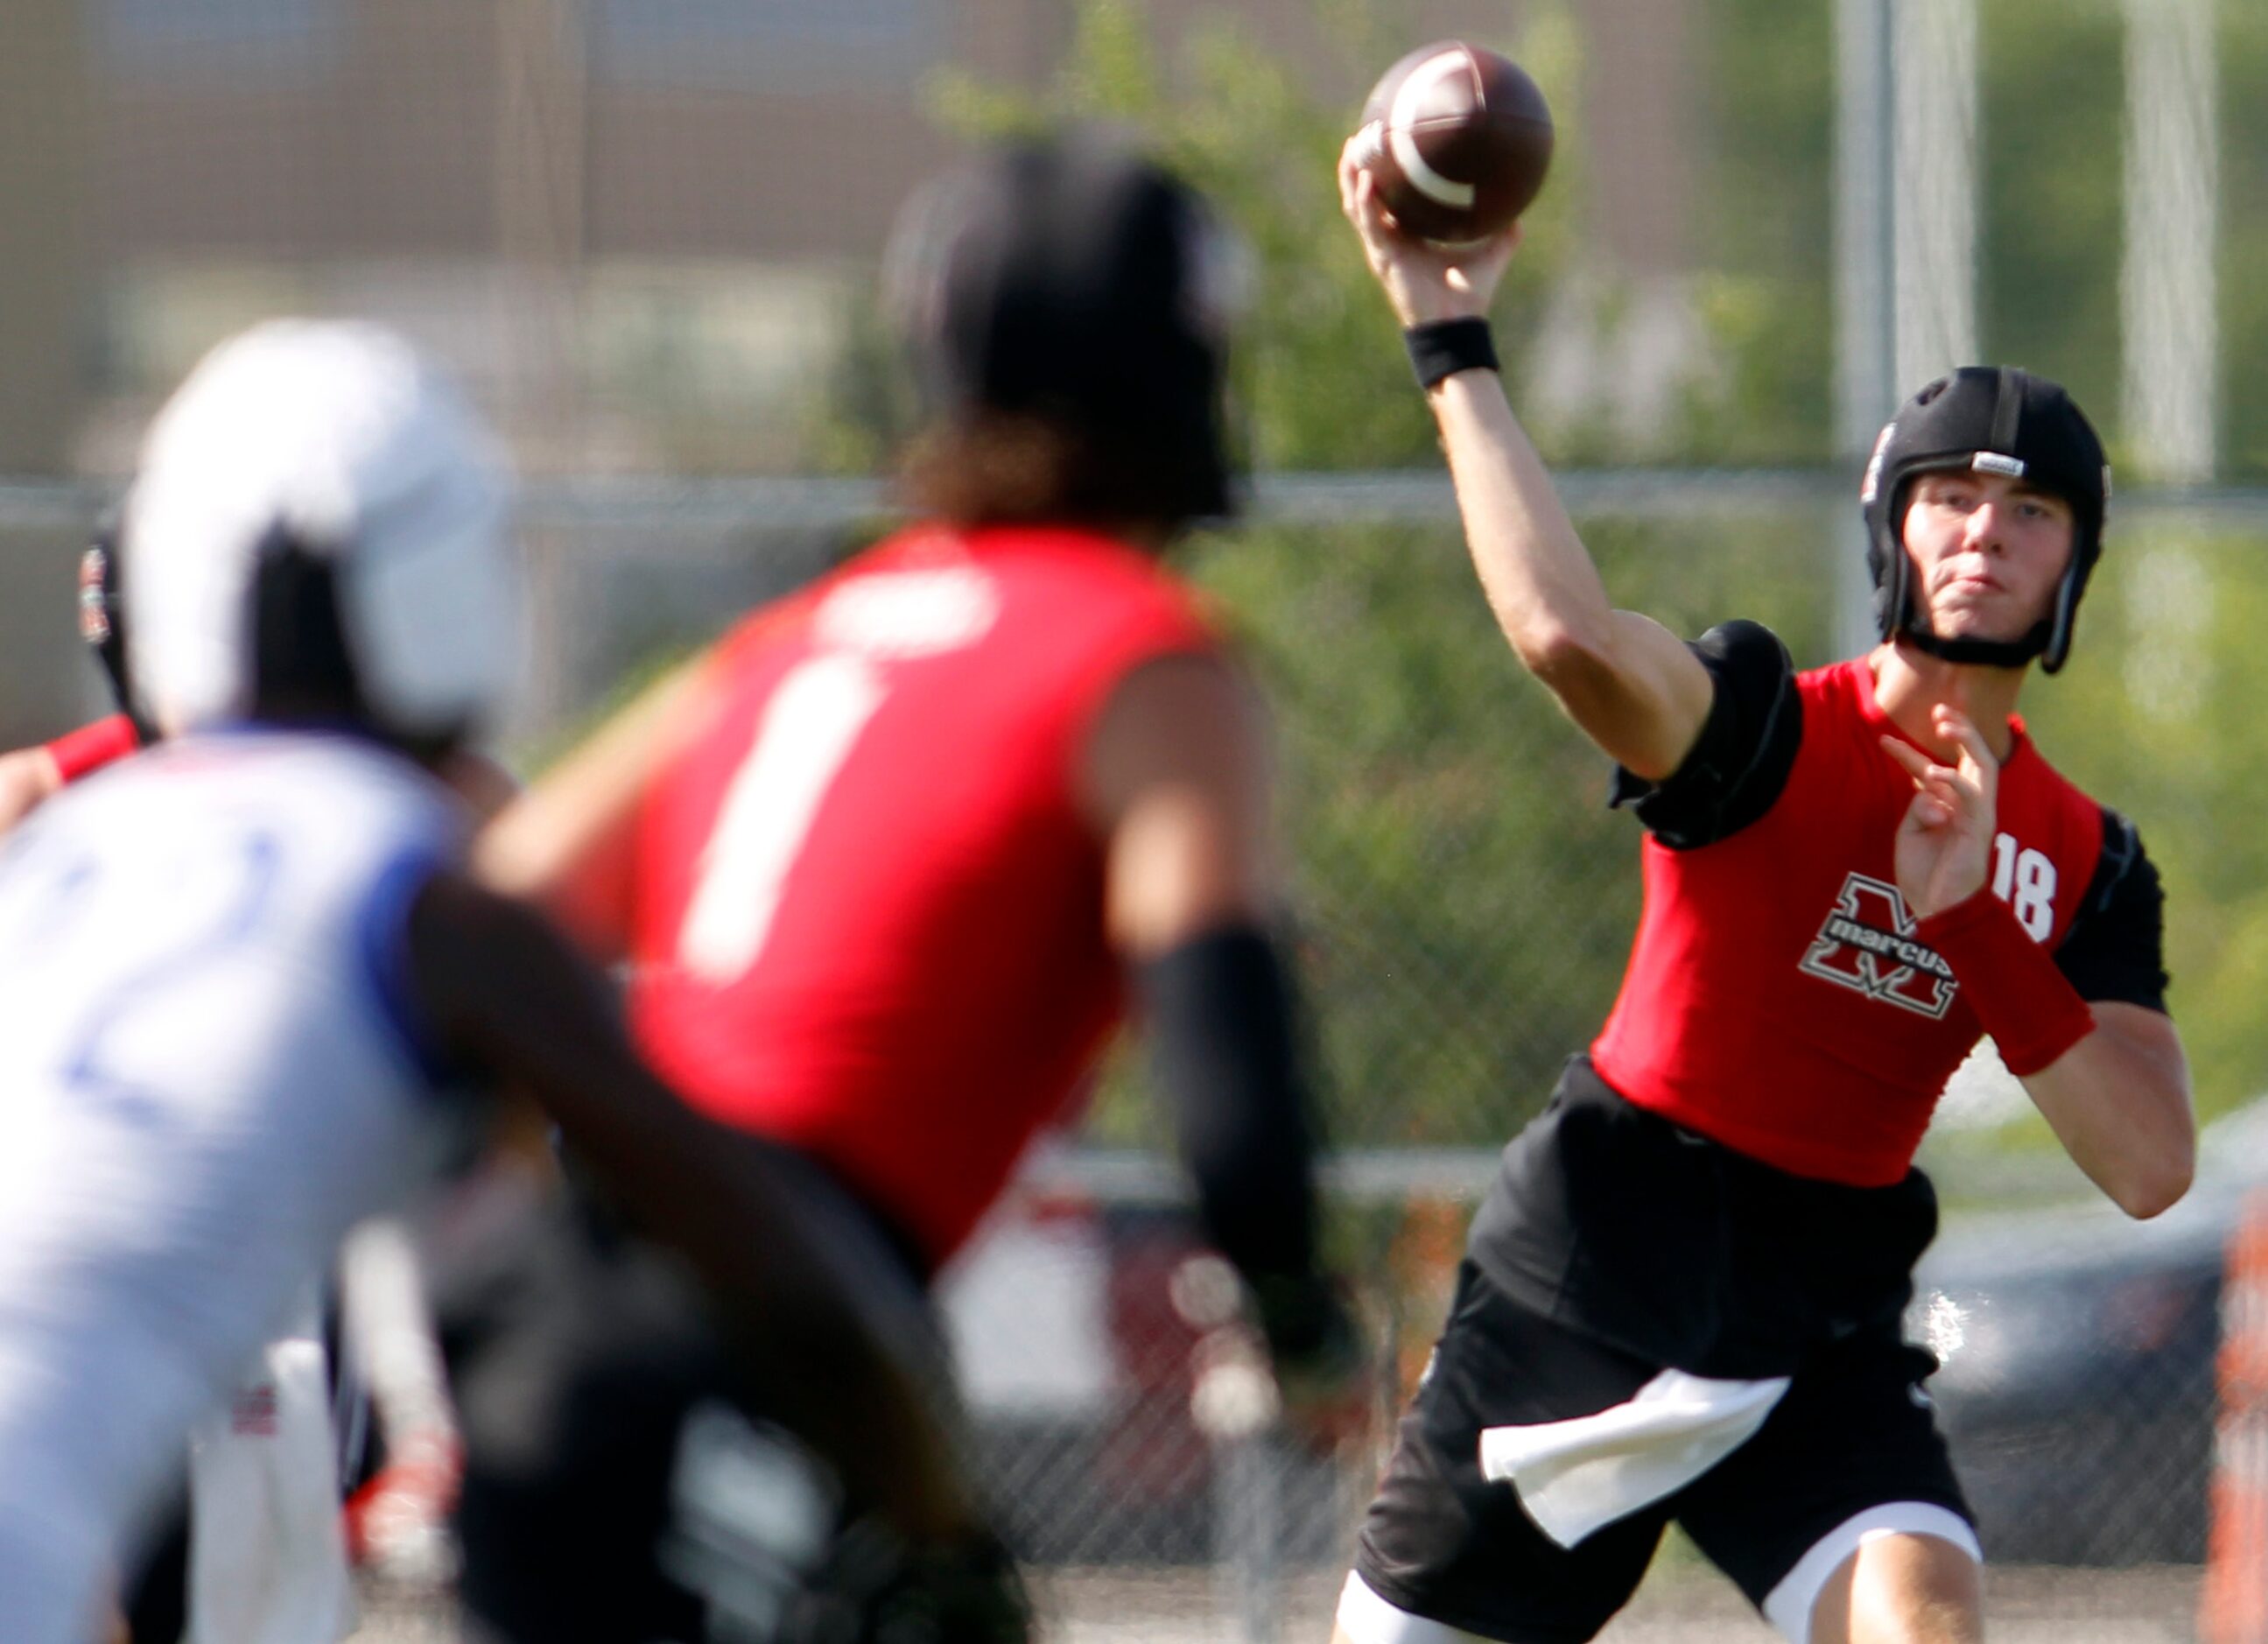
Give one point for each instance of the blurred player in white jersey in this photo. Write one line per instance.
(244, 991)
(256, 1547)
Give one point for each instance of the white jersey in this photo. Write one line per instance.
(210, 1070)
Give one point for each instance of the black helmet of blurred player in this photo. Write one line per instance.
(318, 531)
(1991, 420)
(1068, 284)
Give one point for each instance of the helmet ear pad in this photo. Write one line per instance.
(1888, 565)
(303, 651)
(303, 664)
(2086, 551)
(1890, 562)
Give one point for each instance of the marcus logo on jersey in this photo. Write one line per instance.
(1867, 943)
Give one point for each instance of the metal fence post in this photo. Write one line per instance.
(1249, 1535)
(1235, 1404)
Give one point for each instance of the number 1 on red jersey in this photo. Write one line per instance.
(807, 733)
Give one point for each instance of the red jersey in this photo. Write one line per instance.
(1776, 1000)
(869, 917)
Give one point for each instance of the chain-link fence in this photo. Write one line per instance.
(1464, 903)
(644, 233)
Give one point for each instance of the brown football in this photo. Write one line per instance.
(1458, 138)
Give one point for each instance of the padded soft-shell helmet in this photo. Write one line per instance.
(1993, 420)
(319, 517)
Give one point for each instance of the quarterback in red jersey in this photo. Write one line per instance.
(1681, 1301)
(887, 863)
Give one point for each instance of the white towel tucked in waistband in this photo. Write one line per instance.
(1575, 1476)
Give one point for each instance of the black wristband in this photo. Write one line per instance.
(1304, 1320)
(1442, 348)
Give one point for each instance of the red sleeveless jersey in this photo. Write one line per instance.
(869, 918)
(1775, 998)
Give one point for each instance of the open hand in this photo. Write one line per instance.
(28, 779)
(1425, 281)
(1944, 847)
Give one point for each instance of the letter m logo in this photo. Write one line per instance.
(1867, 943)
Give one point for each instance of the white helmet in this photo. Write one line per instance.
(315, 456)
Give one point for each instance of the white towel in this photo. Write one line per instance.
(1575, 1476)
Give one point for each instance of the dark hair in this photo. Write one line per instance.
(1005, 468)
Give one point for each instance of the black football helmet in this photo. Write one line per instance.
(1993, 420)
(1071, 278)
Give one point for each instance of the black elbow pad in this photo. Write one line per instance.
(1223, 1027)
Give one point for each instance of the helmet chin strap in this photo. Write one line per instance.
(1916, 631)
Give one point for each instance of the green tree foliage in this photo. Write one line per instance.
(1764, 217)
(2160, 711)
(2050, 221)
(2244, 235)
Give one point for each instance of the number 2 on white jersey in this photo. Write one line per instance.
(807, 731)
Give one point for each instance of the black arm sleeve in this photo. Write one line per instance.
(2115, 949)
(1221, 1021)
(1740, 762)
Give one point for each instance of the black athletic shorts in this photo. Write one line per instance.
(1615, 1246)
(612, 1449)
(1852, 1432)
(1679, 1250)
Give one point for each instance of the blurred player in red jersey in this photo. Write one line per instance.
(887, 863)
(1681, 1300)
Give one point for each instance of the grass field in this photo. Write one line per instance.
(1678, 1605)
(2024, 1605)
